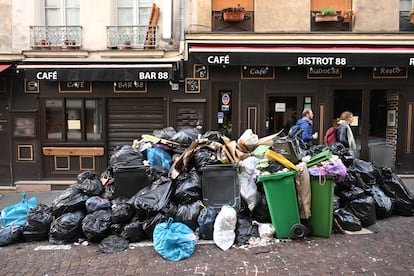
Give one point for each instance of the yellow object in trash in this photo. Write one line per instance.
(281, 159)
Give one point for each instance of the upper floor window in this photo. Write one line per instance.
(62, 12)
(134, 12)
(407, 15)
(331, 15)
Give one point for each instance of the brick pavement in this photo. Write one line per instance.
(388, 251)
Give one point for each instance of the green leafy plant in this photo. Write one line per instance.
(328, 11)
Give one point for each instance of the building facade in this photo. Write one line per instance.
(79, 78)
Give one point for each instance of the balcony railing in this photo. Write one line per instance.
(132, 37)
(55, 37)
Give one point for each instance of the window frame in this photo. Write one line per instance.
(136, 6)
(64, 139)
(62, 13)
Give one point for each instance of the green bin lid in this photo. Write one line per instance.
(276, 176)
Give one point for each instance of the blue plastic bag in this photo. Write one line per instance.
(16, 214)
(158, 156)
(174, 241)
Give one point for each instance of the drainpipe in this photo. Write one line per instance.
(182, 40)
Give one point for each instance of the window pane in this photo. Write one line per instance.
(52, 17)
(144, 16)
(125, 17)
(93, 120)
(72, 12)
(54, 119)
(125, 3)
(74, 119)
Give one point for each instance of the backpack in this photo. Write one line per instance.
(294, 131)
(330, 136)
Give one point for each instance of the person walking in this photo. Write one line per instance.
(291, 121)
(306, 124)
(344, 133)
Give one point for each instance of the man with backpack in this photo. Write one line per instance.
(306, 125)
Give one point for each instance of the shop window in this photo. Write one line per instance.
(407, 15)
(332, 15)
(24, 125)
(73, 119)
(233, 16)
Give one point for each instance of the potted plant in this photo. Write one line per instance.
(348, 15)
(411, 15)
(326, 14)
(233, 13)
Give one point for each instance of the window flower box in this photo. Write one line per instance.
(233, 14)
(326, 14)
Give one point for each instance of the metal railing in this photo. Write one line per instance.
(59, 37)
(132, 37)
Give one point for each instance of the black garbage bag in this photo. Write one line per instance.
(347, 220)
(107, 176)
(336, 202)
(134, 231)
(151, 199)
(155, 172)
(384, 205)
(151, 222)
(116, 228)
(205, 220)
(292, 148)
(203, 157)
(394, 187)
(344, 154)
(38, 222)
(10, 234)
(364, 209)
(188, 214)
(366, 169)
(109, 192)
(96, 203)
(245, 230)
(89, 183)
(126, 156)
(261, 212)
(186, 136)
(72, 199)
(122, 212)
(165, 133)
(349, 194)
(348, 181)
(96, 225)
(112, 244)
(67, 228)
(187, 188)
(213, 135)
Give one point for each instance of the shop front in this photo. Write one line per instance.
(266, 84)
(68, 118)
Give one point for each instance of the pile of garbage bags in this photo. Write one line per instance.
(100, 208)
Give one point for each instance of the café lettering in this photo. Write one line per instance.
(52, 75)
(322, 61)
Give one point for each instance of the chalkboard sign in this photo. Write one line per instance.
(257, 72)
(75, 86)
(201, 71)
(31, 86)
(324, 73)
(130, 86)
(390, 73)
(192, 85)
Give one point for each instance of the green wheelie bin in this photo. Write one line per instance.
(322, 196)
(280, 191)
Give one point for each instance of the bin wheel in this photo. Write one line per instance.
(298, 231)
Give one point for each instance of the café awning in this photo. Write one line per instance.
(98, 72)
(4, 67)
(273, 55)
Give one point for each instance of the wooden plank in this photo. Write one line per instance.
(73, 151)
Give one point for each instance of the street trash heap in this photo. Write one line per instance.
(176, 187)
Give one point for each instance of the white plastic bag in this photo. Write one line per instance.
(248, 139)
(247, 179)
(224, 227)
(266, 230)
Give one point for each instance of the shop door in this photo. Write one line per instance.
(129, 118)
(281, 110)
(4, 140)
(405, 150)
(225, 117)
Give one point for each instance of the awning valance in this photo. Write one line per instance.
(97, 72)
(338, 56)
(4, 67)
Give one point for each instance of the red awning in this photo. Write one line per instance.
(4, 67)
